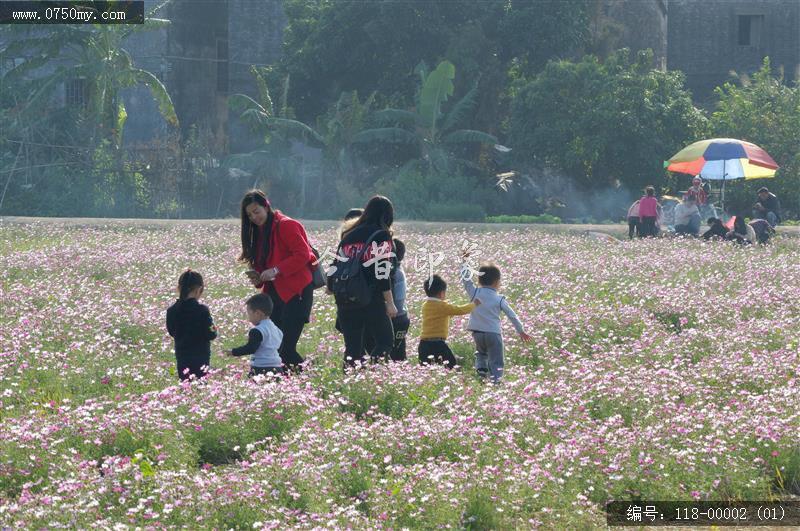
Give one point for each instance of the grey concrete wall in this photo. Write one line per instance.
(255, 35)
(148, 48)
(703, 40)
(643, 24)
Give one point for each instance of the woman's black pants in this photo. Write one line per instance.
(290, 317)
(372, 320)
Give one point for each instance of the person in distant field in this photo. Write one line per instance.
(633, 220)
(716, 230)
(648, 213)
(767, 207)
(742, 233)
(687, 217)
(698, 191)
(763, 230)
(190, 323)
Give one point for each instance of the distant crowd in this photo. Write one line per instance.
(646, 217)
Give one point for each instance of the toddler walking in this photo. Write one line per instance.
(484, 321)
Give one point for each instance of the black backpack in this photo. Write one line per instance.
(349, 283)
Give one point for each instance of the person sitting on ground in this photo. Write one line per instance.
(768, 207)
(687, 217)
(763, 230)
(716, 229)
(742, 233)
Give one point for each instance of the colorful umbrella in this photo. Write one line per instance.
(722, 159)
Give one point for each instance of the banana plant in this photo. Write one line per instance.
(95, 54)
(433, 131)
(263, 118)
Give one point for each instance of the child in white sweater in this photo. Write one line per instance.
(264, 338)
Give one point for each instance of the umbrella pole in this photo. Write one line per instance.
(723, 186)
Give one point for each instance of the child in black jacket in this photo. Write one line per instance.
(190, 323)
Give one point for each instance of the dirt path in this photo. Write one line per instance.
(618, 230)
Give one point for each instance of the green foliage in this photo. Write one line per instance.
(96, 55)
(427, 128)
(435, 89)
(436, 196)
(765, 111)
(546, 219)
(604, 123)
(339, 45)
(264, 119)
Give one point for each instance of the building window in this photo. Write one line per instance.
(750, 28)
(222, 66)
(76, 92)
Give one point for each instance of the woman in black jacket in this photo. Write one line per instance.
(375, 319)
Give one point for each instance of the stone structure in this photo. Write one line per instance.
(204, 55)
(708, 39)
(638, 25)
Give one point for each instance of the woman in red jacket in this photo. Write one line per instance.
(276, 247)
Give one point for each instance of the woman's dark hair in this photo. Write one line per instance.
(399, 250)
(739, 226)
(378, 211)
(650, 191)
(188, 281)
(250, 231)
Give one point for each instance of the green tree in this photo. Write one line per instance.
(338, 127)
(95, 54)
(268, 119)
(331, 46)
(434, 133)
(765, 111)
(604, 124)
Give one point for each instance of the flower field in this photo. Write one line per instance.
(661, 369)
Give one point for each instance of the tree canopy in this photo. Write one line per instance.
(604, 123)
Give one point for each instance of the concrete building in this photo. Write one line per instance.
(708, 39)
(204, 55)
(638, 25)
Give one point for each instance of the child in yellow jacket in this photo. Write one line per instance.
(436, 314)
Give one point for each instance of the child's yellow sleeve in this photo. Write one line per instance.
(459, 310)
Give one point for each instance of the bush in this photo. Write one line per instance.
(438, 197)
(546, 219)
(455, 212)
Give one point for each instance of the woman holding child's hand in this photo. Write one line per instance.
(276, 248)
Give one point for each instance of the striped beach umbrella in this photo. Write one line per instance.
(723, 159)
